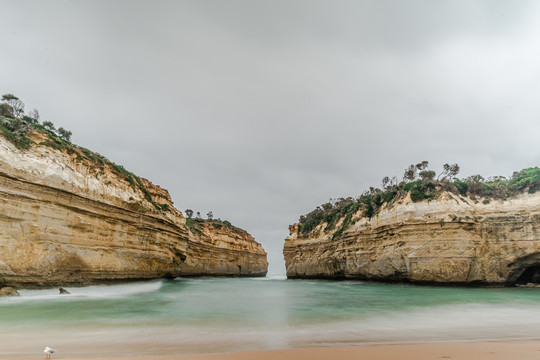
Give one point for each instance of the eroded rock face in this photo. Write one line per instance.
(9, 291)
(449, 240)
(222, 251)
(65, 219)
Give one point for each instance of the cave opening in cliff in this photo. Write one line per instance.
(529, 275)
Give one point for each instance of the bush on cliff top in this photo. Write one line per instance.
(425, 188)
(15, 130)
(195, 225)
(15, 125)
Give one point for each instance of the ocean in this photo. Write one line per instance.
(205, 315)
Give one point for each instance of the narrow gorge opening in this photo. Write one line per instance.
(529, 275)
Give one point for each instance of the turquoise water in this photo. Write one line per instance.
(221, 315)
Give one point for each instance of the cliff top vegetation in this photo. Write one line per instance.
(16, 126)
(421, 184)
(195, 224)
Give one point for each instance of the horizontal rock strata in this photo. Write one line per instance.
(65, 219)
(449, 240)
(222, 251)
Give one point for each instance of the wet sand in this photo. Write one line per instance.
(485, 350)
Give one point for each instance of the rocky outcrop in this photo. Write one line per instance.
(9, 291)
(221, 250)
(452, 239)
(69, 217)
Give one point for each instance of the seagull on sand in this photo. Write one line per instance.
(49, 351)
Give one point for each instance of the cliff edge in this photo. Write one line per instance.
(70, 216)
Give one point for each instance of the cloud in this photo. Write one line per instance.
(261, 110)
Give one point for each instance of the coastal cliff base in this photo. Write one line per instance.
(450, 240)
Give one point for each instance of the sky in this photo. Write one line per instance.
(261, 110)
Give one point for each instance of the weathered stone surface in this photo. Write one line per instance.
(529, 285)
(222, 251)
(449, 240)
(65, 219)
(9, 291)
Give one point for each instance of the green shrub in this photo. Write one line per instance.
(52, 144)
(312, 219)
(193, 226)
(525, 179)
(370, 210)
(196, 224)
(6, 110)
(461, 186)
(29, 120)
(49, 126)
(14, 130)
(344, 225)
(421, 190)
(65, 134)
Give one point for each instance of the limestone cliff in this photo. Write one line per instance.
(219, 249)
(451, 239)
(69, 216)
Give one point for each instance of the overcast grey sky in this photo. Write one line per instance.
(262, 110)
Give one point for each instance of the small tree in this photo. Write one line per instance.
(64, 134)
(410, 173)
(327, 206)
(449, 171)
(474, 183)
(210, 215)
(189, 213)
(427, 175)
(34, 114)
(475, 178)
(6, 110)
(49, 125)
(198, 214)
(15, 103)
(422, 166)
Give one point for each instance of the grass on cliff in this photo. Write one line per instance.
(15, 126)
(421, 184)
(196, 225)
(15, 130)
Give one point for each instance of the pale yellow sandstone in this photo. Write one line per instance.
(65, 219)
(452, 239)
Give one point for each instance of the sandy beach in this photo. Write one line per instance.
(496, 350)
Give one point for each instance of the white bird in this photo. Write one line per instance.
(49, 351)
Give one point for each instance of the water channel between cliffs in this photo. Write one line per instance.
(232, 314)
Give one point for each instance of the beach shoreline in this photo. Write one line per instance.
(253, 319)
(477, 350)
